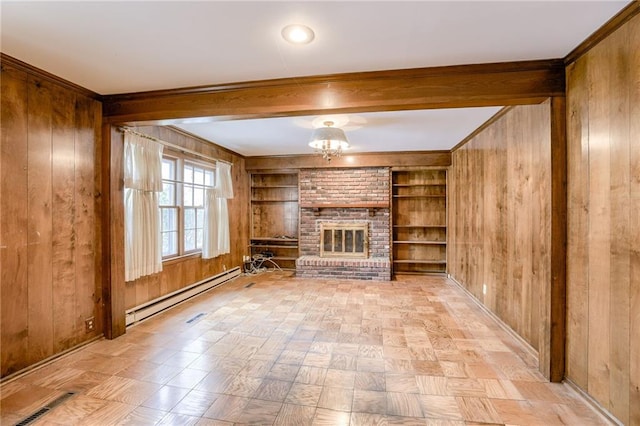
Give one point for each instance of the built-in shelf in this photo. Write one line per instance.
(418, 214)
(274, 213)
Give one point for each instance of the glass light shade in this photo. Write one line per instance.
(330, 141)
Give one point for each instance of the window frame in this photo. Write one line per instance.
(176, 205)
(179, 185)
(193, 185)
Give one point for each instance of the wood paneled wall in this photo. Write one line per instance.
(603, 262)
(179, 273)
(500, 219)
(49, 218)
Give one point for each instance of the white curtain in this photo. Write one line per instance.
(142, 187)
(216, 215)
(224, 184)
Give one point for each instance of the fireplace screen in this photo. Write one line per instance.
(344, 239)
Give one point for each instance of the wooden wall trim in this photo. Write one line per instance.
(113, 216)
(524, 345)
(105, 217)
(631, 10)
(372, 159)
(508, 83)
(40, 73)
(558, 239)
(592, 402)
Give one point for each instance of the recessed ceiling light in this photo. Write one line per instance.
(298, 34)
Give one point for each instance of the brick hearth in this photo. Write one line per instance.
(361, 269)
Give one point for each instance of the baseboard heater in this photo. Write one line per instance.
(154, 306)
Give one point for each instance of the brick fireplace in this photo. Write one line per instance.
(344, 239)
(344, 198)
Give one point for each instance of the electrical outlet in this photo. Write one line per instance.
(484, 289)
(224, 267)
(90, 324)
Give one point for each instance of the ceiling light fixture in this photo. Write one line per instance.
(329, 141)
(298, 34)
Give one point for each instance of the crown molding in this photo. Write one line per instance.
(6, 60)
(622, 17)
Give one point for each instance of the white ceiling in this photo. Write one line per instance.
(418, 130)
(117, 47)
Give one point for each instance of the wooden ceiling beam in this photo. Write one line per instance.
(366, 159)
(497, 84)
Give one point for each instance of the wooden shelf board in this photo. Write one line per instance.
(283, 258)
(422, 262)
(425, 242)
(274, 201)
(421, 196)
(426, 272)
(289, 240)
(272, 173)
(413, 185)
(419, 226)
(272, 186)
(274, 246)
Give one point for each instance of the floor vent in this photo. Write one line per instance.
(249, 285)
(197, 317)
(44, 410)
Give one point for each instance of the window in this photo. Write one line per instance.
(195, 180)
(169, 210)
(182, 205)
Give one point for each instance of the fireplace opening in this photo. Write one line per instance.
(344, 239)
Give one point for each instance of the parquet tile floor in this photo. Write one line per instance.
(289, 351)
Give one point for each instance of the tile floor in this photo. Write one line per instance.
(288, 351)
